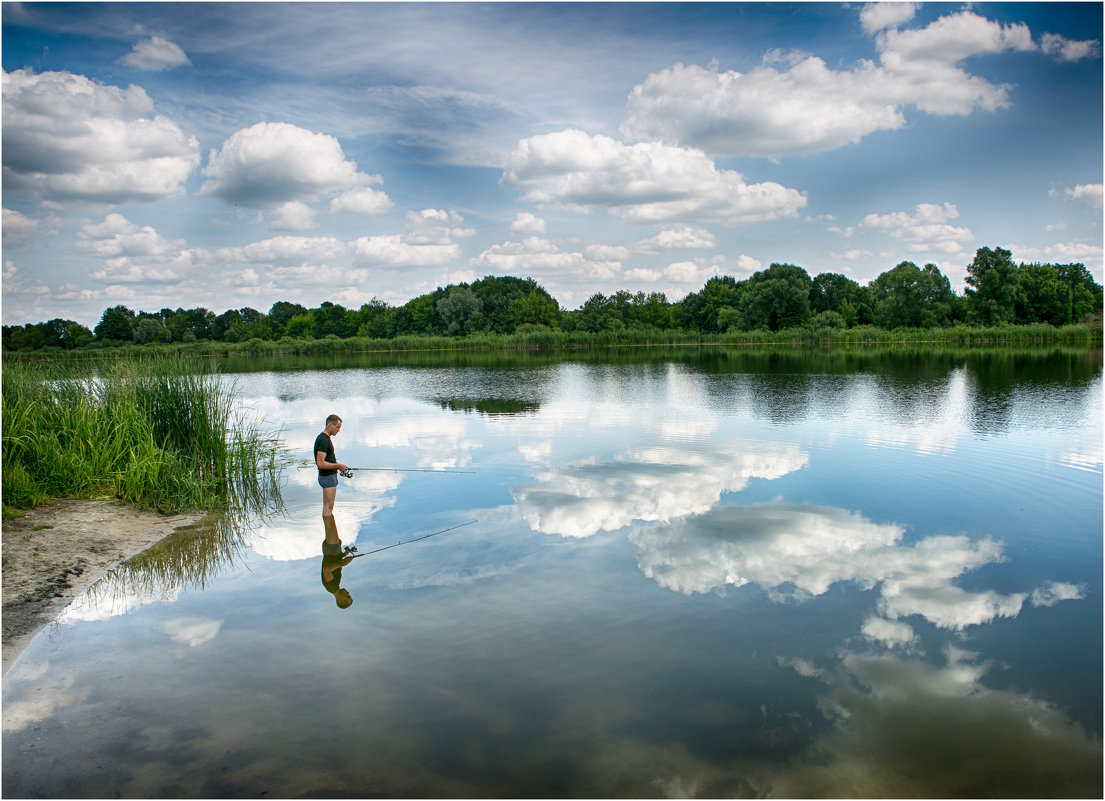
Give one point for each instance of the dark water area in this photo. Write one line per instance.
(643, 573)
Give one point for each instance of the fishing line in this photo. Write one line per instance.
(416, 539)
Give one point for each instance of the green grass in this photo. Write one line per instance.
(152, 431)
(542, 338)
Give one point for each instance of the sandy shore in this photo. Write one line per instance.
(57, 551)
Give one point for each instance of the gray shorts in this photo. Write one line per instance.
(328, 481)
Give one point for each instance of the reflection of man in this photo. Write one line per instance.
(328, 464)
(333, 560)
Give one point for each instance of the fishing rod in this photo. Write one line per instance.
(353, 548)
(309, 465)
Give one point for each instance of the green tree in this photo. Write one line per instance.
(196, 321)
(496, 294)
(729, 319)
(301, 326)
(1043, 297)
(699, 310)
(223, 323)
(423, 315)
(536, 308)
(150, 329)
(261, 328)
(848, 313)
(650, 311)
(1083, 293)
(776, 298)
(827, 321)
(31, 336)
(76, 336)
(910, 297)
(375, 317)
(993, 287)
(600, 313)
(280, 313)
(329, 318)
(835, 292)
(458, 310)
(116, 326)
(1058, 294)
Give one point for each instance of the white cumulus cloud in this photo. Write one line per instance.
(876, 16)
(286, 250)
(155, 54)
(434, 227)
(925, 229)
(526, 223)
(293, 216)
(19, 228)
(646, 182)
(69, 138)
(272, 163)
(1086, 194)
(427, 240)
(806, 106)
(118, 236)
(536, 254)
(679, 237)
(389, 250)
(363, 201)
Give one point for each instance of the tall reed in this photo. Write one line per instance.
(156, 432)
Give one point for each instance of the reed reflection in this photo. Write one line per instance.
(190, 557)
(193, 556)
(334, 558)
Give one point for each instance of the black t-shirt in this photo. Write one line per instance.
(324, 443)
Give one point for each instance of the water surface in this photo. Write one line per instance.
(714, 574)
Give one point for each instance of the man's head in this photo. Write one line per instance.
(333, 424)
(344, 599)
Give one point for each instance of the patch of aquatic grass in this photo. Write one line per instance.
(157, 432)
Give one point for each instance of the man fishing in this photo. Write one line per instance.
(328, 464)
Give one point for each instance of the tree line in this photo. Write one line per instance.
(783, 296)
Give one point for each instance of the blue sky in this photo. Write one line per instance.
(229, 155)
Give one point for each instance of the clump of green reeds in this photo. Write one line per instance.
(159, 433)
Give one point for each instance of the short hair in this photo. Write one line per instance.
(333, 419)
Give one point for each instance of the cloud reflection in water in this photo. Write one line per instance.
(794, 551)
(649, 483)
(904, 726)
(911, 728)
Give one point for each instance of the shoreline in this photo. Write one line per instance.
(56, 551)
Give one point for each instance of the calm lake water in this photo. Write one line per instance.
(689, 574)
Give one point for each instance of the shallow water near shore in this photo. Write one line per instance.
(692, 574)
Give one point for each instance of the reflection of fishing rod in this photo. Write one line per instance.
(310, 465)
(407, 542)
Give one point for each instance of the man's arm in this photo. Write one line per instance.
(322, 464)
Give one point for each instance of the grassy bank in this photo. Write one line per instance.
(150, 431)
(541, 338)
